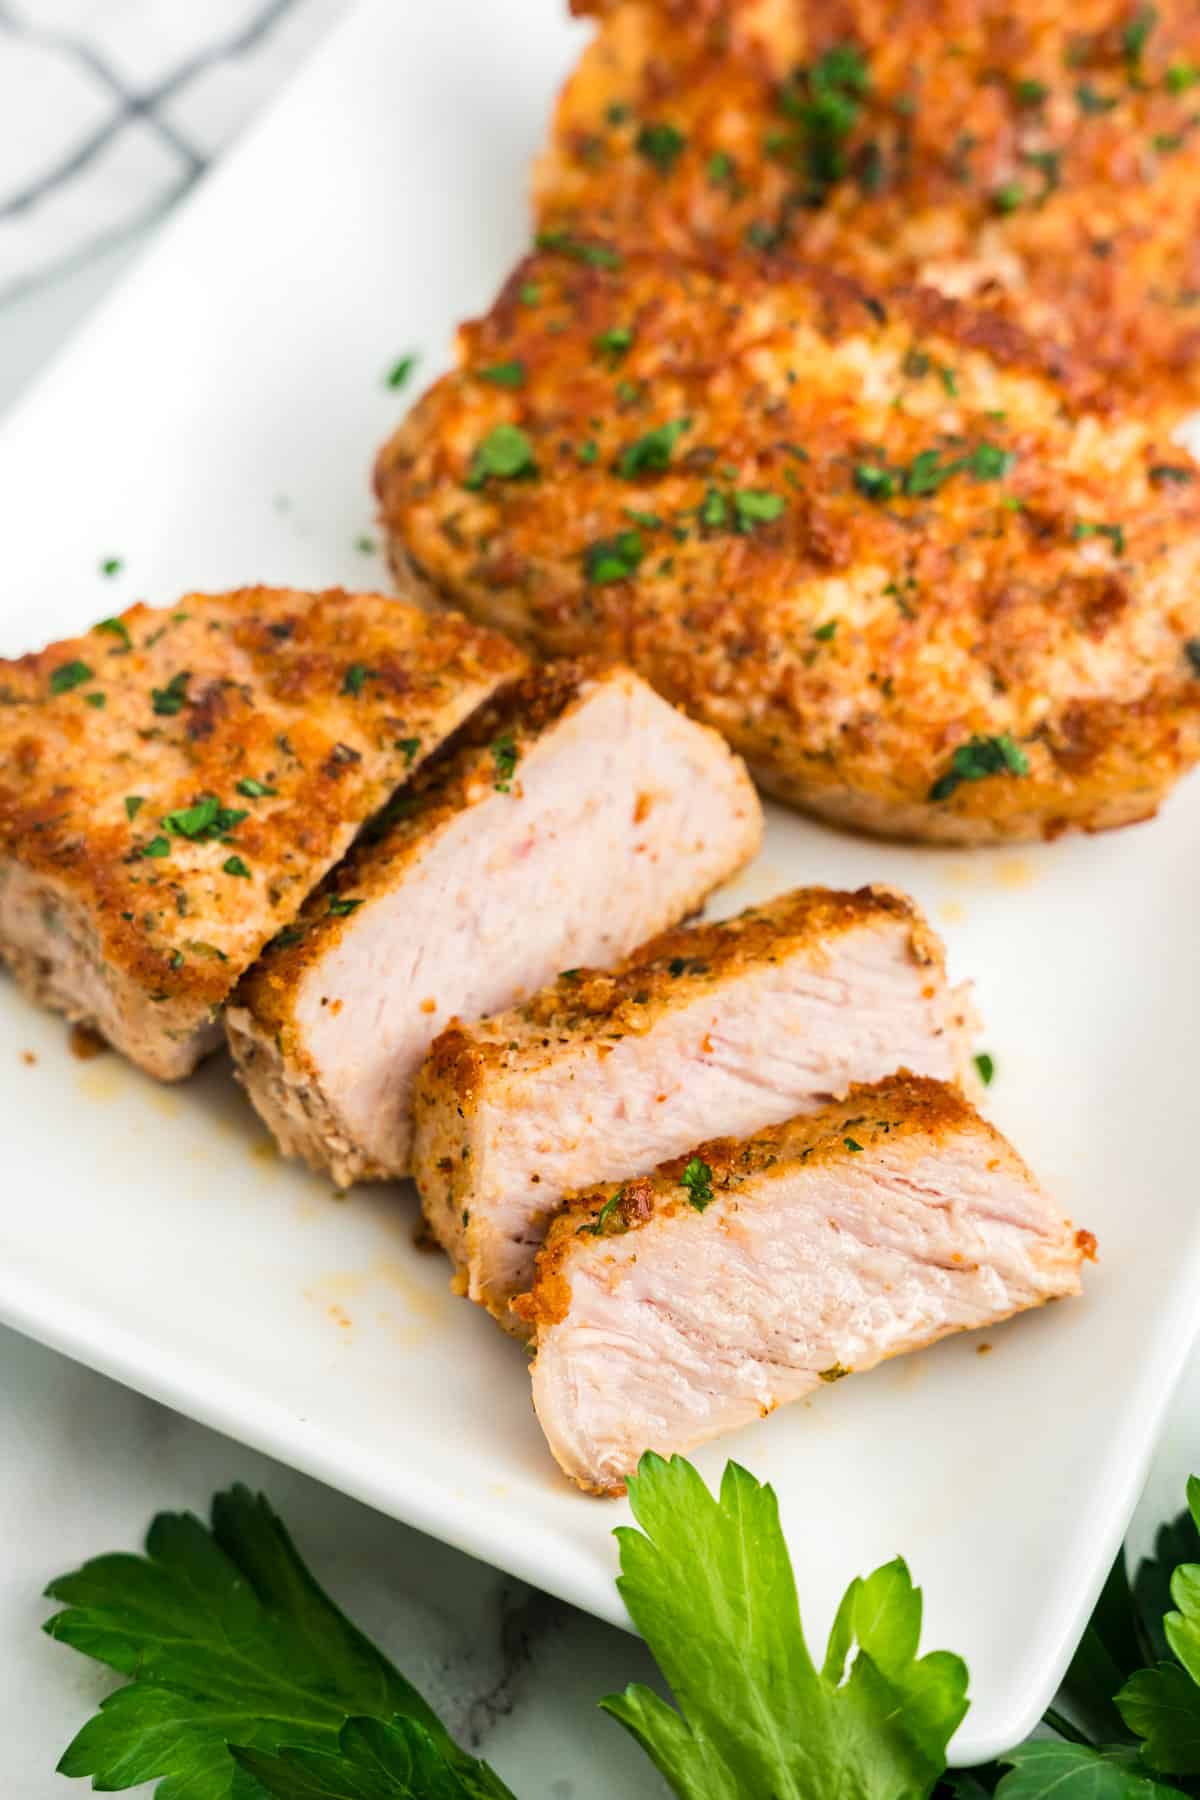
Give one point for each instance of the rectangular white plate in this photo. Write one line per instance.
(215, 426)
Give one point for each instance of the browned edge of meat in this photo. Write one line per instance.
(670, 1308)
(573, 815)
(743, 1022)
(175, 781)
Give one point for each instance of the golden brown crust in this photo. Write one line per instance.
(1041, 159)
(859, 615)
(673, 968)
(311, 697)
(886, 1112)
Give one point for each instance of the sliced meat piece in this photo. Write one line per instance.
(1038, 159)
(583, 813)
(732, 1280)
(175, 782)
(742, 1024)
(885, 548)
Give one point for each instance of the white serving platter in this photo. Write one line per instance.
(215, 425)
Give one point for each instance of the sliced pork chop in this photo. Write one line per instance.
(739, 1024)
(886, 545)
(686, 1303)
(175, 782)
(583, 813)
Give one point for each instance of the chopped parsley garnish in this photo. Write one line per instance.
(876, 482)
(598, 1224)
(714, 509)
(409, 747)
(206, 819)
(616, 112)
(169, 700)
(505, 455)
(597, 256)
(158, 846)
(651, 453)
(133, 805)
(505, 374)
(233, 865)
(853, 1145)
(661, 145)
(355, 676)
(721, 169)
(826, 631)
(1048, 163)
(1171, 474)
(986, 1066)
(928, 471)
(1086, 528)
(254, 789)
(1030, 93)
(116, 628)
(588, 451)
(365, 545)
(614, 558)
(1135, 35)
(529, 293)
(505, 756)
(978, 758)
(112, 565)
(614, 342)
(697, 1179)
(97, 699)
(340, 907)
(755, 506)
(400, 371)
(69, 675)
(1181, 76)
(1007, 198)
(826, 103)
(1090, 100)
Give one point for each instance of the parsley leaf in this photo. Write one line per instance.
(353, 679)
(986, 1066)
(505, 454)
(1162, 1704)
(651, 453)
(226, 1638)
(233, 865)
(614, 342)
(340, 907)
(504, 374)
(596, 256)
(980, 757)
(710, 1587)
(206, 819)
(254, 789)
(1075, 1772)
(112, 565)
(69, 675)
(374, 1761)
(755, 506)
(169, 700)
(615, 558)
(133, 805)
(1084, 528)
(661, 145)
(400, 371)
(505, 756)
(117, 628)
(697, 1179)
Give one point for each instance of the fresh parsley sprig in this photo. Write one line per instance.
(244, 1681)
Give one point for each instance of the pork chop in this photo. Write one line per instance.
(582, 813)
(685, 1303)
(174, 782)
(1040, 160)
(739, 1024)
(887, 550)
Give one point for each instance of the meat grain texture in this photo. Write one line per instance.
(890, 551)
(734, 1025)
(581, 813)
(1037, 159)
(689, 1302)
(173, 783)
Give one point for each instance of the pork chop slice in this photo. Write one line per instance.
(685, 1303)
(173, 783)
(738, 1024)
(582, 813)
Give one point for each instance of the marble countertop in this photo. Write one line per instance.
(84, 1463)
